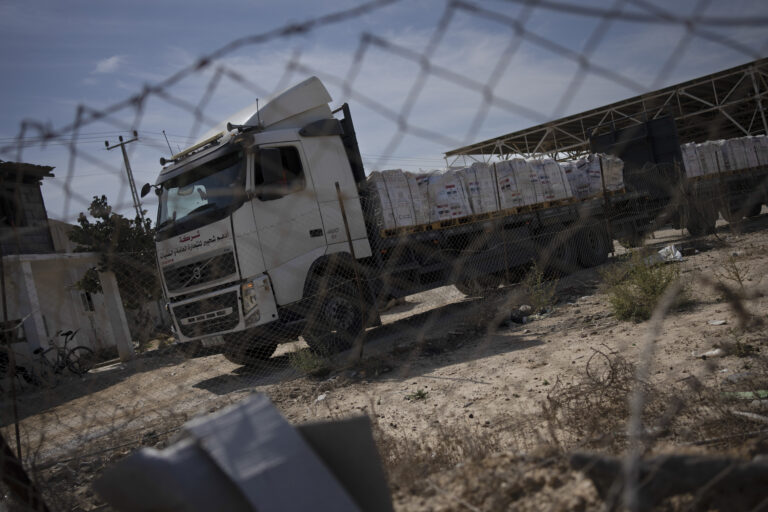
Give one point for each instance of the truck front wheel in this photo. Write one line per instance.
(336, 320)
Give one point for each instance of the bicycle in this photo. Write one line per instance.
(79, 360)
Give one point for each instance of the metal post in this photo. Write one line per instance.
(15, 477)
(759, 103)
(131, 183)
(501, 223)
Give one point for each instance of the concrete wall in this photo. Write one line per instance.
(42, 289)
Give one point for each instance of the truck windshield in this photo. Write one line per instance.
(203, 193)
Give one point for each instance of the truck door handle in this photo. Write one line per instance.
(315, 232)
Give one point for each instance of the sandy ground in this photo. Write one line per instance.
(439, 359)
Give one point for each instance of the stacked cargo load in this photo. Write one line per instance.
(418, 198)
(516, 183)
(612, 170)
(404, 199)
(586, 176)
(731, 155)
(691, 161)
(481, 187)
(760, 143)
(393, 203)
(445, 195)
(552, 180)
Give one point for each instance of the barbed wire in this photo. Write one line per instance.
(447, 291)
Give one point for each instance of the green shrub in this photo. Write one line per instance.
(540, 291)
(635, 286)
(308, 363)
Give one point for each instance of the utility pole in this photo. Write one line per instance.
(134, 194)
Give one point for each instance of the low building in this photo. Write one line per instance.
(39, 272)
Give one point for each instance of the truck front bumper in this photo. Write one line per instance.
(222, 311)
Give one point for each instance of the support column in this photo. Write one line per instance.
(117, 320)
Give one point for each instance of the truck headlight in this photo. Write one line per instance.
(250, 299)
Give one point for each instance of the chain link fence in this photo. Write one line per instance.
(512, 326)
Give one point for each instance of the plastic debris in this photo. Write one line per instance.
(717, 322)
(668, 254)
(717, 352)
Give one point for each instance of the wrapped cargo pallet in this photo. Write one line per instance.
(691, 160)
(710, 157)
(481, 190)
(419, 199)
(760, 143)
(733, 155)
(750, 153)
(445, 196)
(517, 183)
(576, 172)
(553, 183)
(613, 172)
(393, 198)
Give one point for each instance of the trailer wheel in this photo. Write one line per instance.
(731, 215)
(336, 320)
(701, 221)
(556, 254)
(593, 247)
(246, 351)
(755, 210)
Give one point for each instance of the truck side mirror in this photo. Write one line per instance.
(145, 189)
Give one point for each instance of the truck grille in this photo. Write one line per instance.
(199, 272)
(208, 316)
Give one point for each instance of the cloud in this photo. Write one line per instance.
(109, 65)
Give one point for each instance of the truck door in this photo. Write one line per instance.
(287, 216)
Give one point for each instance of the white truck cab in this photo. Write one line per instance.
(244, 215)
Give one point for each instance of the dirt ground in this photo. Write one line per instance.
(440, 361)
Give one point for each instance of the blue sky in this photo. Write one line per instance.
(58, 55)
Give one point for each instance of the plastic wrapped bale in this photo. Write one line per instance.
(613, 172)
(510, 195)
(734, 156)
(691, 160)
(480, 184)
(561, 187)
(419, 199)
(518, 183)
(760, 143)
(578, 178)
(445, 195)
(590, 167)
(750, 153)
(542, 185)
(710, 157)
(393, 203)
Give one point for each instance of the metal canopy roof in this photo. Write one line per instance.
(725, 104)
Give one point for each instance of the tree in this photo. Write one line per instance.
(126, 247)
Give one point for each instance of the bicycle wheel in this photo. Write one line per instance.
(80, 360)
(46, 368)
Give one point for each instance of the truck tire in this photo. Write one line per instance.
(755, 210)
(556, 253)
(701, 221)
(246, 351)
(336, 320)
(593, 247)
